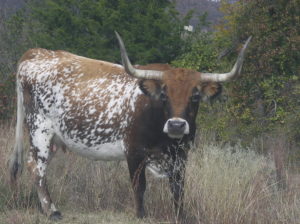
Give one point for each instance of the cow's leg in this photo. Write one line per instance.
(137, 175)
(39, 157)
(176, 181)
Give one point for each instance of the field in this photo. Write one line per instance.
(224, 184)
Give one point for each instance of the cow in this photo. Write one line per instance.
(104, 111)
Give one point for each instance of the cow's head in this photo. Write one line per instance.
(179, 90)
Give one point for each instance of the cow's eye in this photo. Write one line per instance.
(163, 96)
(195, 97)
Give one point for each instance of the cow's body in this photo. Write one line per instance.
(86, 103)
(94, 109)
(97, 110)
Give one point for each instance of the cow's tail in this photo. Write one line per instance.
(16, 158)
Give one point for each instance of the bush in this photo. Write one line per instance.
(7, 97)
(266, 96)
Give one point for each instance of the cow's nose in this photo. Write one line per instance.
(176, 126)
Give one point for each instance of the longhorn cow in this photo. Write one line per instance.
(104, 111)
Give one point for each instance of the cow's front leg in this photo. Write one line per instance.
(176, 180)
(137, 175)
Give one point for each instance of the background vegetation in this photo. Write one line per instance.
(266, 97)
(264, 100)
(260, 108)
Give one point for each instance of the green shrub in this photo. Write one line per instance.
(7, 97)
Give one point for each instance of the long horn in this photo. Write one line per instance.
(222, 77)
(138, 73)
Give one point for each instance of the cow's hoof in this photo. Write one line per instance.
(55, 216)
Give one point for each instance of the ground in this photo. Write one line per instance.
(102, 217)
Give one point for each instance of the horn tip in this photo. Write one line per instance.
(118, 35)
(248, 40)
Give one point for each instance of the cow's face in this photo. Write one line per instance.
(179, 93)
(179, 90)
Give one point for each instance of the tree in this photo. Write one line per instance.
(267, 95)
(151, 29)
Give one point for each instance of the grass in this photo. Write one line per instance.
(74, 217)
(224, 184)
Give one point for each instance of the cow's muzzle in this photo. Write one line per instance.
(176, 127)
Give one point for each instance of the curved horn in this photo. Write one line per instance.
(138, 73)
(222, 77)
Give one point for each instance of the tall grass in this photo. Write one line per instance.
(224, 184)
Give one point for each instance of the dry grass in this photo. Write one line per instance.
(31, 217)
(224, 185)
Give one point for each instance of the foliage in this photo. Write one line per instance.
(12, 44)
(151, 29)
(7, 97)
(266, 96)
(200, 55)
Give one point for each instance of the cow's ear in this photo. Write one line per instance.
(150, 87)
(210, 90)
